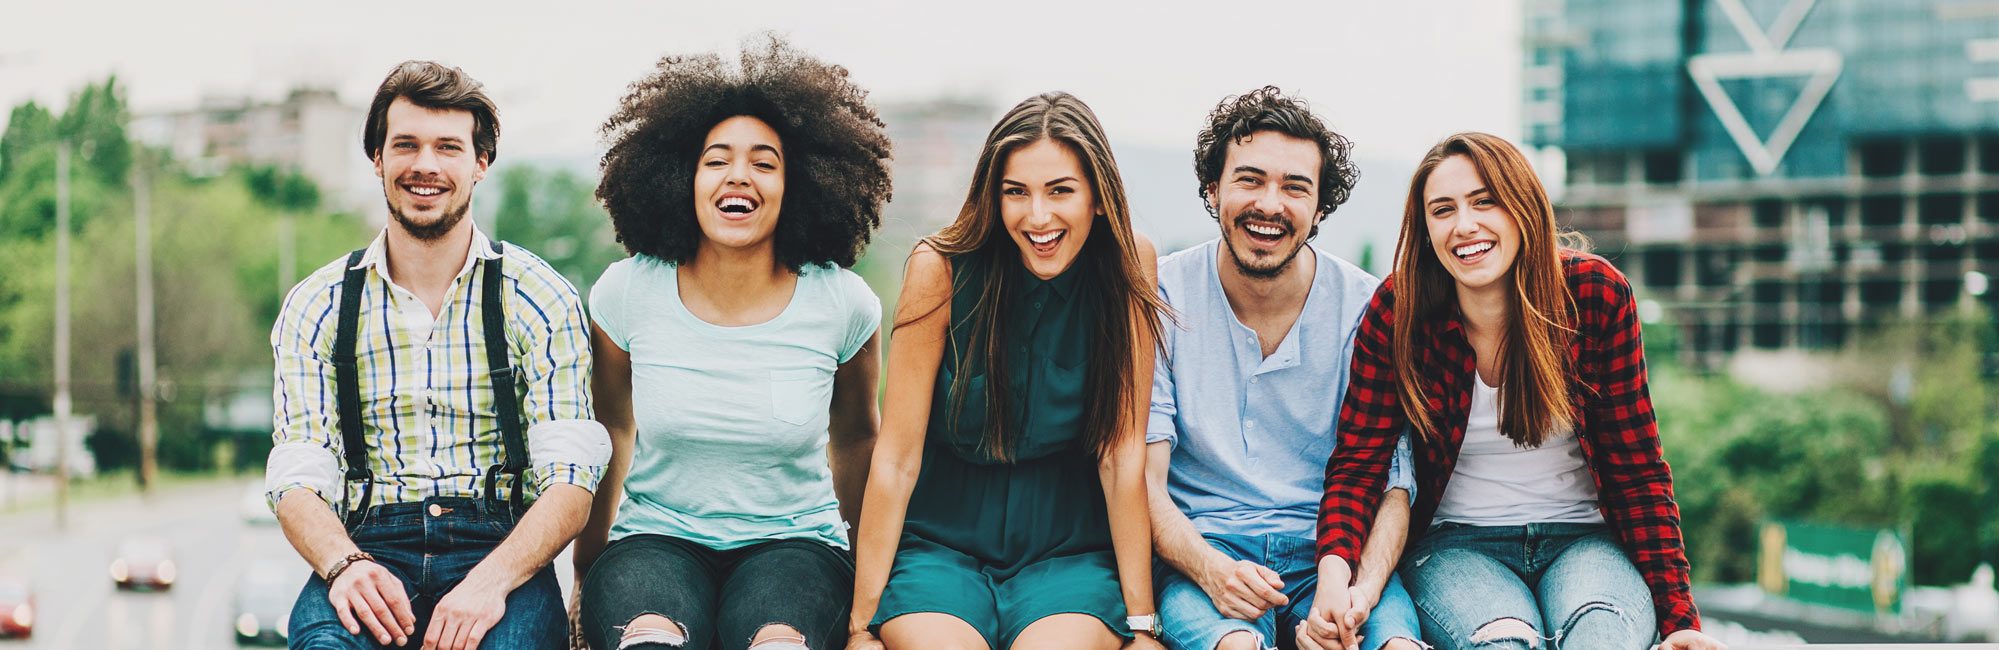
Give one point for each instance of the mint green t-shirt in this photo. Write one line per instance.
(732, 421)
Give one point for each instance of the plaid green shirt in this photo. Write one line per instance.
(427, 406)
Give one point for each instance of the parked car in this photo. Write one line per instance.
(17, 609)
(264, 596)
(144, 564)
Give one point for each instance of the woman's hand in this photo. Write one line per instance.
(1690, 640)
(864, 640)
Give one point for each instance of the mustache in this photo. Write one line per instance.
(429, 179)
(1254, 216)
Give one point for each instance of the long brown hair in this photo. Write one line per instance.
(1112, 275)
(1535, 368)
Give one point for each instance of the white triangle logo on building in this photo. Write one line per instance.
(1708, 70)
(1765, 59)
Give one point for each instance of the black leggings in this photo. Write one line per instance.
(721, 598)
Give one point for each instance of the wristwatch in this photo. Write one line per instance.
(1148, 624)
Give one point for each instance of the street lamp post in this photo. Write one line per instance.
(62, 398)
(149, 430)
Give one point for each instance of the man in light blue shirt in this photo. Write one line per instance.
(1246, 396)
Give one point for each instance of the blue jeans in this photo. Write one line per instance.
(1192, 623)
(1571, 584)
(431, 554)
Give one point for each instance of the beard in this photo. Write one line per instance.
(435, 229)
(1268, 266)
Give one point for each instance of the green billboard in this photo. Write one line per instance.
(1857, 569)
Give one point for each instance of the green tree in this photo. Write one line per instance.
(214, 245)
(555, 214)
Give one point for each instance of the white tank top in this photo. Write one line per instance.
(1499, 484)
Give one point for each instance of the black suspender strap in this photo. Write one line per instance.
(347, 384)
(506, 380)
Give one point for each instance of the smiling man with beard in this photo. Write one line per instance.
(433, 391)
(1245, 395)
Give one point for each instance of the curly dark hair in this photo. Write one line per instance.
(835, 147)
(1269, 109)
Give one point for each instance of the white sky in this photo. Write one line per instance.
(1393, 76)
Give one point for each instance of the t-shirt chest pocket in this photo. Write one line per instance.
(794, 395)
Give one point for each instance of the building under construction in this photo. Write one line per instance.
(1775, 174)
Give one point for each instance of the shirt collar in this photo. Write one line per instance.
(377, 254)
(1063, 284)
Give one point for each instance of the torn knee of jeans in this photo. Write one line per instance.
(1507, 629)
(652, 629)
(1255, 640)
(1593, 607)
(1405, 643)
(778, 636)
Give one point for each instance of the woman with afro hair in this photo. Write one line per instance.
(736, 355)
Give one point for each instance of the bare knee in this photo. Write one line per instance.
(931, 631)
(1507, 632)
(1401, 643)
(1239, 640)
(652, 630)
(778, 636)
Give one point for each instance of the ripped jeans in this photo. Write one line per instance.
(1540, 586)
(720, 599)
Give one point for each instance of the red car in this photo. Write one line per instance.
(17, 609)
(144, 564)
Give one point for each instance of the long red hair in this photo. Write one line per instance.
(1534, 397)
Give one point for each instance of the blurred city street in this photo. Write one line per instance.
(227, 550)
(77, 604)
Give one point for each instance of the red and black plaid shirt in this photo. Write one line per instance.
(1616, 430)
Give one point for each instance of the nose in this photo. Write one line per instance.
(739, 174)
(1270, 202)
(426, 161)
(1040, 210)
(1464, 224)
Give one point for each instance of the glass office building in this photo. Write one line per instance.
(1776, 173)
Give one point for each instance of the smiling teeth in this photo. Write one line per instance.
(1473, 249)
(737, 202)
(1043, 239)
(1267, 231)
(426, 191)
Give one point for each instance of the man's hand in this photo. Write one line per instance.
(1143, 641)
(1690, 640)
(366, 594)
(1240, 589)
(463, 616)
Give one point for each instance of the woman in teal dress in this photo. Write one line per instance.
(1006, 504)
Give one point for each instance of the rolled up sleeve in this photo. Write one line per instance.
(568, 451)
(306, 447)
(1400, 468)
(565, 443)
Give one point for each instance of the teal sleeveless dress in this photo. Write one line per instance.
(997, 544)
